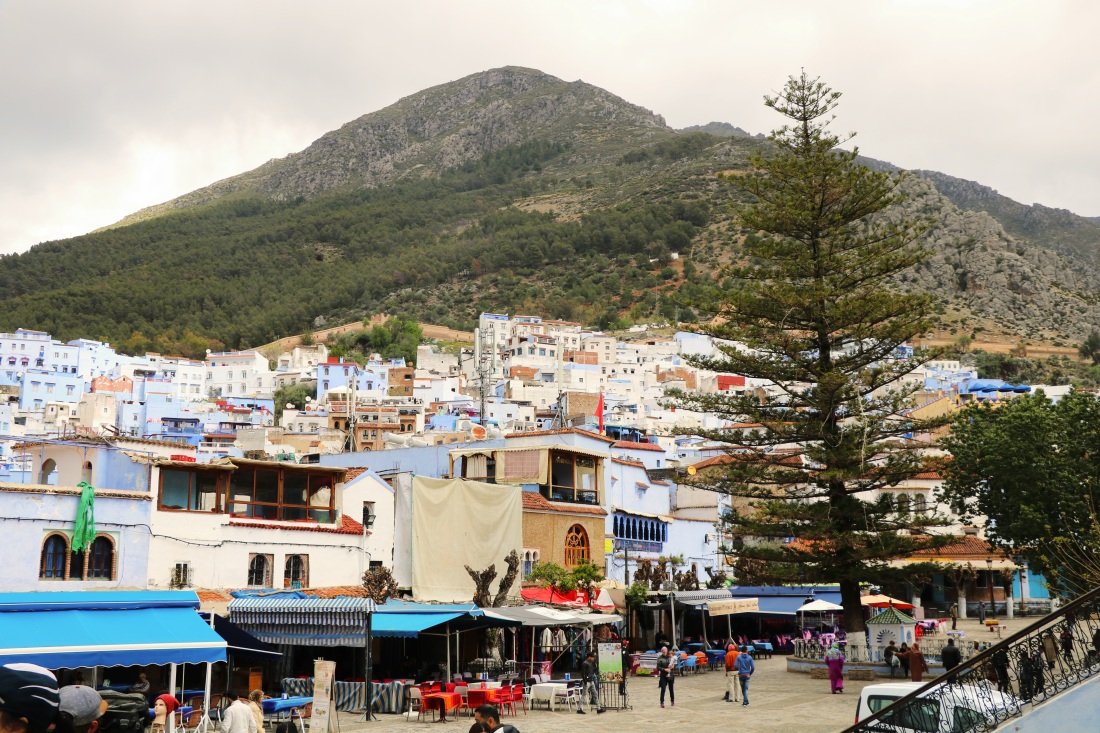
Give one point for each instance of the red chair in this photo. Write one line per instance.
(509, 696)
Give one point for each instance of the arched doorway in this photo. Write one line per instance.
(49, 468)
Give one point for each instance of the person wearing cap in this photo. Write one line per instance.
(28, 698)
(83, 706)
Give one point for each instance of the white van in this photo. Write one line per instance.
(958, 708)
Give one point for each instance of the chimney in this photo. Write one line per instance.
(970, 531)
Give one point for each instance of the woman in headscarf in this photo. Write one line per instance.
(834, 661)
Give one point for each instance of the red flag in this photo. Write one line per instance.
(599, 413)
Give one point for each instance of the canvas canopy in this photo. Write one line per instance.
(106, 628)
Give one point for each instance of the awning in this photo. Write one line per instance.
(239, 642)
(408, 625)
(570, 599)
(543, 616)
(90, 629)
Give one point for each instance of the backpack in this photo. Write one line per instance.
(127, 712)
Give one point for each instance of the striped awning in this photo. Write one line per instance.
(309, 621)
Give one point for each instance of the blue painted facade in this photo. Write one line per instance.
(38, 386)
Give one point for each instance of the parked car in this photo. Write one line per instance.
(944, 708)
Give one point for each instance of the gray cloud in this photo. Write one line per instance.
(109, 107)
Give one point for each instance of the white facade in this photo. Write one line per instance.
(239, 374)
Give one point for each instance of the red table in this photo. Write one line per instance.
(444, 701)
(475, 698)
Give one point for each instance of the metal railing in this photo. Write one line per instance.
(1053, 654)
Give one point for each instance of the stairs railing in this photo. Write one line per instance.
(1053, 654)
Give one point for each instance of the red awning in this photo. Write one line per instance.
(568, 599)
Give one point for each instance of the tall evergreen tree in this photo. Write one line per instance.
(811, 308)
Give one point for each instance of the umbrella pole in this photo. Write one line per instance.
(729, 628)
(447, 636)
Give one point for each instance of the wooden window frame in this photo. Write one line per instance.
(220, 492)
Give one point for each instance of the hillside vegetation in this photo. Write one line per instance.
(512, 191)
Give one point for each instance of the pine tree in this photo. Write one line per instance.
(810, 308)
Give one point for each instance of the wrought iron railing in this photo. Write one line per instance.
(1053, 654)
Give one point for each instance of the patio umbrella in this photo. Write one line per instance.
(877, 600)
(820, 605)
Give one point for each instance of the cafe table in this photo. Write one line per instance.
(277, 705)
(444, 701)
(547, 691)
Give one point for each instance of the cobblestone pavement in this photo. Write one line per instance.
(781, 701)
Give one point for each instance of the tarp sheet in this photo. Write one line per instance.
(455, 523)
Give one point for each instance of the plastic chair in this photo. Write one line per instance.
(416, 702)
(463, 690)
(516, 694)
(570, 696)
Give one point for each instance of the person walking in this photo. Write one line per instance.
(255, 705)
(590, 676)
(237, 718)
(951, 657)
(666, 680)
(732, 684)
(834, 662)
(745, 667)
(917, 665)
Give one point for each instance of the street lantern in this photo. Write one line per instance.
(992, 605)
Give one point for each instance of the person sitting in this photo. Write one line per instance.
(142, 684)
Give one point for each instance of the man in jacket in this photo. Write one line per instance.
(590, 675)
(745, 668)
(732, 683)
(237, 718)
(666, 668)
(951, 657)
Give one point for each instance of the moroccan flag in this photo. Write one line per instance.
(599, 413)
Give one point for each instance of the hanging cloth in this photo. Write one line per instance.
(84, 527)
(547, 640)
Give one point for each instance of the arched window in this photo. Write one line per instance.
(576, 546)
(903, 505)
(77, 562)
(259, 571)
(52, 565)
(296, 572)
(49, 466)
(920, 505)
(86, 472)
(101, 562)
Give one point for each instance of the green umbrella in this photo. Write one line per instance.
(84, 529)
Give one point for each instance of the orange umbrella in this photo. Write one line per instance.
(877, 600)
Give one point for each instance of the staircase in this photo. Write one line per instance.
(1008, 686)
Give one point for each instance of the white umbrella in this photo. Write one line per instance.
(819, 605)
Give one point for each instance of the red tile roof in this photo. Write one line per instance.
(347, 526)
(536, 502)
(963, 546)
(563, 431)
(628, 462)
(638, 446)
(354, 473)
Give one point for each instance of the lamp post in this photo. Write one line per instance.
(989, 568)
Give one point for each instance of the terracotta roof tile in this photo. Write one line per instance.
(964, 546)
(534, 501)
(354, 473)
(212, 596)
(562, 431)
(638, 446)
(628, 462)
(347, 526)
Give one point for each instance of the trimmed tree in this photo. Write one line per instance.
(810, 307)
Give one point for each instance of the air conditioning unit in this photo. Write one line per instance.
(181, 575)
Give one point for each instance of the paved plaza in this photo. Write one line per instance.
(781, 700)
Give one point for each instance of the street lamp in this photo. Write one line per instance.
(989, 567)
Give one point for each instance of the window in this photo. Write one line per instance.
(572, 478)
(280, 493)
(530, 560)
(101, 562)
(54, 551)
(181, 575)
(903, 505)
(48, 470)
(296, 572)
(86, 472)
(77, 563)
(576, 546)
(920, 505)
(259, 570)
(191, 491)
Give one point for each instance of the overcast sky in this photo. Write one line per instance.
(107, 107)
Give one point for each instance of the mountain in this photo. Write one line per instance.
(509, 190)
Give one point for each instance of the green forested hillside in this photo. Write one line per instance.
(245, 270)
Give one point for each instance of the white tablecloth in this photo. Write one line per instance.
(547, 691)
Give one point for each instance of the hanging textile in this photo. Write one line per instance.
(84, 527)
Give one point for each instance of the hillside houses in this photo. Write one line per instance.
(574, 423)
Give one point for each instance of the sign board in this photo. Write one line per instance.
(734, 605)
(323, 675)
(610, 661)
